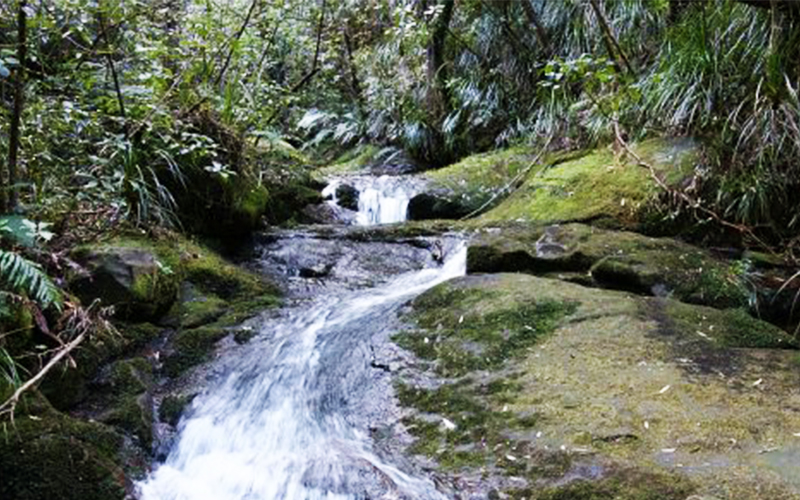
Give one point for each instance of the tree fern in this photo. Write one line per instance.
(20, 275)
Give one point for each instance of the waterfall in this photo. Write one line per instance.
(283, 426)
(381, 200)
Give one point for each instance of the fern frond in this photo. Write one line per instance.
(23, 276)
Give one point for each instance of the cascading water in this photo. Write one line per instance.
(288, 422)
(381, 200)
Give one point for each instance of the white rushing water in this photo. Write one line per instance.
(381, 200)
(278, 427)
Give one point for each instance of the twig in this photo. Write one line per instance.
(612, 45)
(10, 404)
(512, 182)
(682, 195)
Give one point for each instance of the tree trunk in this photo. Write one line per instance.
(355, 83)
(113, 69)
(612, 45)
(438, 100)
(234, 41)
(16, 115)
(533, 17)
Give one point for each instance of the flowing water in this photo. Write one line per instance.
(381, 200)
(290, 420)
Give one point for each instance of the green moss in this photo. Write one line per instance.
(476, 179)
(17, 326)
(50, 455)
(192, 347)
(137, 334)
(351, 162)
(214, 275)
(461, 341)
(612, 259)
(251, 204)
(620, 485)
(131, 376)
(728, 328)
(597, 185)
(172, 408)
(287, 203)
(133, 414)
(202, 311)
(480, 433)
(129, 405)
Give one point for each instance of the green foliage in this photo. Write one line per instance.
(9, 374)
(21, 276)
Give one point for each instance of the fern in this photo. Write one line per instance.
(8, 370)
(23, 276)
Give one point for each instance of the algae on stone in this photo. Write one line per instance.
(598, 185)
(639, 390)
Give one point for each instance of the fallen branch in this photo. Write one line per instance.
(679, 194)
(512, 182)
(11, 403)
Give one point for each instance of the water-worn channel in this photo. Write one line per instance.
(290, 418)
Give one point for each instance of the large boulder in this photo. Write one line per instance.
(132, 279)
(599, 186)
(546, 389)
(611, 259)
(593, 185)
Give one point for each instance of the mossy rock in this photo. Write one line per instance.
(134, 415)
(598, 185)
(131, 279)
(457, 333)
(729, 328)
(17, 327)
(288, 202)
(173, 407)
(612, 259)
(201, 310)
(614, 380)
(50, 455)
(630, 484)
(67, 385)
(185, 260)
(459, 189)
(192, 347)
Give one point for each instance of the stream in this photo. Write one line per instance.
(290, 414)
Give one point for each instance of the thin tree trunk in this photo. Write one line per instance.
(114, 75)
(308, 76)
(355, 83)
(438, 101)
(314, 63)
(533, 17)
(612, 45)
(235, 39)
(16, 115)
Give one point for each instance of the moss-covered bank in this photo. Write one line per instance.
(45, 454)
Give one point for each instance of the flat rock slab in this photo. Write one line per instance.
(621, 392)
